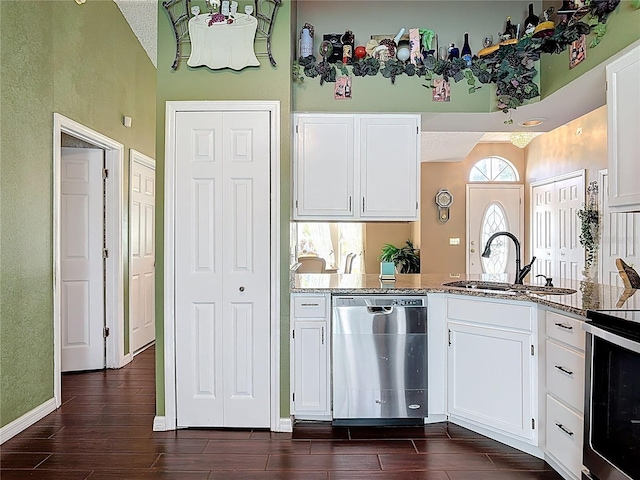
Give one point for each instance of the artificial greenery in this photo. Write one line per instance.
(511, 67)
(589, 224)
(406, 259)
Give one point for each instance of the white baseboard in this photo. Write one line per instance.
(10, 430)
(285, 425)
(159, 424)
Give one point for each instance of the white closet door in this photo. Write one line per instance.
(81, 266)
(198, 269)
(246, 262)
(542, 247)
(569, 199)
(222, 269)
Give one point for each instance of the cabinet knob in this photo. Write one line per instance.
(473, 250)
(241, 289)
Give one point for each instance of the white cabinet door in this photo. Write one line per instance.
(324, 166)
(623, 118)
(389, 167)
(311, 381)
(222, 269)
(489, 378)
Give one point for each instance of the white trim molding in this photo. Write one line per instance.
(285, 425)
(160, 424)
(114, 298)
(11, 429)
(172, 108)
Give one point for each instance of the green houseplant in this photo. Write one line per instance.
(406, 259)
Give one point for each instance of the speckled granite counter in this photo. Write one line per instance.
(588, 296)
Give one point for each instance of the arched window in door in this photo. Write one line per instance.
(495, 220)
(493, 169)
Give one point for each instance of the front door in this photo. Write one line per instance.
(222, 269)
(493, 208)
(81, 266)
(142, 247)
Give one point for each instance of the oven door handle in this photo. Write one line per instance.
(611, 337)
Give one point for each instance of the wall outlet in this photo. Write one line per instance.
(454, 241)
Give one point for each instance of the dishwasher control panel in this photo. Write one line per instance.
(379, 301)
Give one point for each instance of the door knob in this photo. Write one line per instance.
(241, 289)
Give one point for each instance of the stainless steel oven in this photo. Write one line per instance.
(611, 448)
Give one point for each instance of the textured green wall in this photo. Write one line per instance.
(623, 28)
(252, 83)
(84, 62)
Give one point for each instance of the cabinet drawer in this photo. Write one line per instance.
(565, 374)
(564, 436)
(490, 313)
(565, 329)
(309, 306)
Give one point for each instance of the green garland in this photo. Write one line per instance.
(511, 67)
(589, 226)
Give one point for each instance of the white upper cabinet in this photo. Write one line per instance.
(324, 184)
(623, 110)
(356, 166)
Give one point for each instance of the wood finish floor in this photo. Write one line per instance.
(104, 431)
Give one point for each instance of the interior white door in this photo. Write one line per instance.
(222, 279)
(81, 266)
(492, 208)
(142, 251)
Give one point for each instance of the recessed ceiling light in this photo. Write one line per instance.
(532, 122)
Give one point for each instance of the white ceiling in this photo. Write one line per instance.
(142, 16)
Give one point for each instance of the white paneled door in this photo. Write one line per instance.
(81, 267)
(555, 227)
(142, 250)
(493, 208)
(222, 269)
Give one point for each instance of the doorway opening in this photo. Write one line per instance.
(112, 276)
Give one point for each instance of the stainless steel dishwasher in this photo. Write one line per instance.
(379, 363)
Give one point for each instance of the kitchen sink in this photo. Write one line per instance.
(508, 288)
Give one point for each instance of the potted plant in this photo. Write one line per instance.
(406, 259)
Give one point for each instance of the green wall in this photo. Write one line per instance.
(623, 28)
(201, 83)
(84, 62)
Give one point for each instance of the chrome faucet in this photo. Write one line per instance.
(520, 272)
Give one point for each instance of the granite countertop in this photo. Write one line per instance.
(588, 296)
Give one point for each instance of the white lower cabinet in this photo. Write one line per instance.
(492, 367)
(310, 370)
(564, 380)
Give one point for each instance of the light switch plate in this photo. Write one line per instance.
(454, 241)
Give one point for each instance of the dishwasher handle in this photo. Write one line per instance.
(385, 310)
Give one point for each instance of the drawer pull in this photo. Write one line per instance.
(564, 370)
(564, 326)
(309, 304)
(564, 429)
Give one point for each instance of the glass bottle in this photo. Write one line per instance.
(531, 21)
(466, 50)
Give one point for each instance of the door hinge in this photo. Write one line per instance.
(533, 351)
(293, 397)
(293, 334)
(417, 130)
(105, 173)
(105, 253)
(449, 337)
(105, 332)
(296, 204)
(533, 424)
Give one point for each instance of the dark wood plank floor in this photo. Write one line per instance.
(104, 431)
